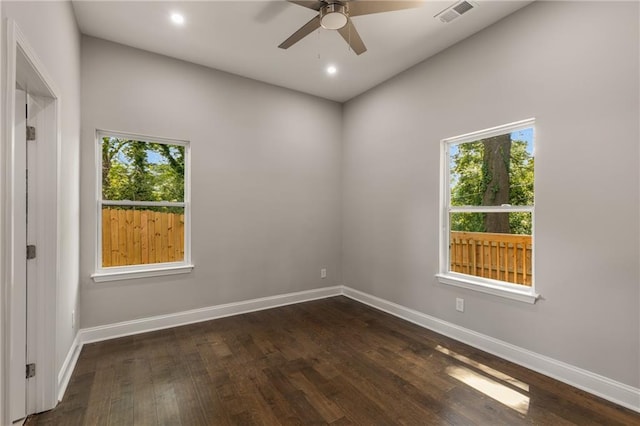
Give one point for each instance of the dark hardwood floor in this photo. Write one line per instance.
(331, 361)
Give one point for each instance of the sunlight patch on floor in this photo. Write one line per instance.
(486, 369)
(491, 388)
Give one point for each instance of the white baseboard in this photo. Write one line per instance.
(68, 366)
(619, 393)
(616, 392)
(159, 322)
(127, 328)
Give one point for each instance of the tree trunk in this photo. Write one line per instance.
(495, 164)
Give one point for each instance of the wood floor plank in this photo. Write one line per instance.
(269, 407)
(190, 409)
(122, 399)
(100, 393)
(329, 411)
(331, 361)
(144, 411)
(295, 398)
(164, 384)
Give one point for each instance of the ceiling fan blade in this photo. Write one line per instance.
(351, 36)
(358, 8)
(270, 10)
(304, 31)
(309, 4)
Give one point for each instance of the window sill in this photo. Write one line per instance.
(485, 286)
(159, 271)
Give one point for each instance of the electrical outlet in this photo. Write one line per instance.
(73, 319)
(323, 273)
(459, 304)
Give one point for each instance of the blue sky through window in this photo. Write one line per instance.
(525, 135)
(152, 157)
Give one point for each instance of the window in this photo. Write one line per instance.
(487, 211)
(143, 206)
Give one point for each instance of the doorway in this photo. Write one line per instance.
(30, 231)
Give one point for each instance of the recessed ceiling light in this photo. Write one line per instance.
(331, 70)
(177, 18)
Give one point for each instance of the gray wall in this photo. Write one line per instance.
(50, 29)
(266, 194)
(574, 67)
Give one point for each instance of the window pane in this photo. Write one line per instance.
(142, 171)
(142, 235)
(493, 171)
(492, 245)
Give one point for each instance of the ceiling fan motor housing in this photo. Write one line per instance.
(337, 14)
(333, 16)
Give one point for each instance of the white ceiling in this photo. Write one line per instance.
(242, 37)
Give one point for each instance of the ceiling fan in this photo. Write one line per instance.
(337, 14)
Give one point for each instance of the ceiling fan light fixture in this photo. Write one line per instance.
(333, 16)
(337, 14)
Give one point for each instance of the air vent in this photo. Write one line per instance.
(454, 11)
(463, 7)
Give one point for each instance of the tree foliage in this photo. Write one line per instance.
(487, 172)
(142, 171)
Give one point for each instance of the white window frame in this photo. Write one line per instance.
(115, 273)
(484, 285)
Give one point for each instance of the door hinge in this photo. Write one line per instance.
(31, 370)
(31, 133)
(31, 251)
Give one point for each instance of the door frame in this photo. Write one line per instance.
(23, 66)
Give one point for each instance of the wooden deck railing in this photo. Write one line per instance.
(134, 237)
(505, 257)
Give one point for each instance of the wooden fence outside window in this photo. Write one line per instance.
(135, 237)
(505, 257)
(138, 237)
